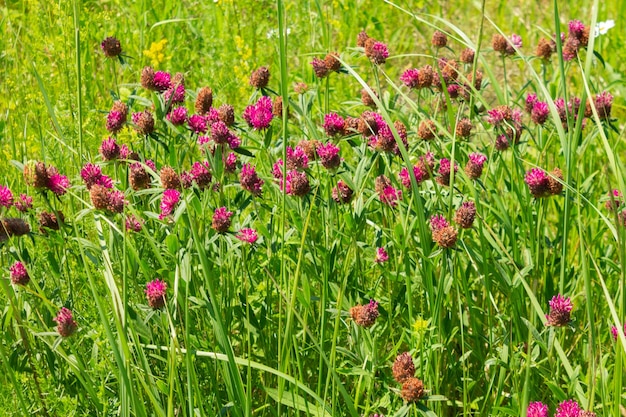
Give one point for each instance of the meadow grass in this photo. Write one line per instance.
(192, 314)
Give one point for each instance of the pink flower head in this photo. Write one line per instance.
(197, 124)
(259, 115)
(329, 155)
(537, 409)
(201, 174)
(381, 256)
(58, 184)
(516, 40)
(221, 219)
(233, 141)
(91, 174)
(614, 331)
(410, 78)
(24, 203)
(6, 196)
(204, 141)
(477, 158)
(277, 169)
(320, 68)
(420, 172)
(377, 52)
(445, 169)
(247, 235)
(569, 408)
(603, 103)
(220, 132)
(498, 115)
(125, 152)
(250, 181)
(19, 274)
(150, 164)
(133, 224)
(560, 309)
(296, 183)
(334, 125)
(161, 81)
(155, 293)
(66, 326)
(540, 112)
(175, 93)
(168, 202)
(230, 163)
(531, 99)
(576, 28)
(109, 149)
(297, 158)
(115, 121)
(538, 182)
(438, 222)
(390, 196)
(178, 116)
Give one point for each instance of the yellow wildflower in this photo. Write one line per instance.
(156, 52)
(421, 325)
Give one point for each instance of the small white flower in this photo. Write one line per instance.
(273, 33)
(603, 27)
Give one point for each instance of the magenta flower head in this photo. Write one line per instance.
(614, 331)
(445, 169)
(168, 202)
(537, 409)
(438, 222)
(115, 121)
(376, 51)
(421, 174)
(6, 196)
(250, 181)
(531, 99)
(90, 174)
(538, 182)
(230, 163)
(201, 174)
(342, 193)
(320, 68)
(410, 78)
(297, 183)
(221, 219)
(66, 326)
(58, 183)
(381, 256)
(365, 316)
(334, 125)
(197, 124)
(259, 115)
(569, 408)
(498, 115)
(133, 224)
(540, 112)
(161, 81)
(297, 158)
(329, 155)
(178, 116)
(155, 293)
(560, 310)
(176, 93)
(19, 274)
(109, 149)
(386, 192)
(474, 167)
(23, 203)
(603, 102)
(247, 235)
(576, 28)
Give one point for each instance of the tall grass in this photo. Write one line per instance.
(268, 328)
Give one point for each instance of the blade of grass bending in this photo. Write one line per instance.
(255, 365)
